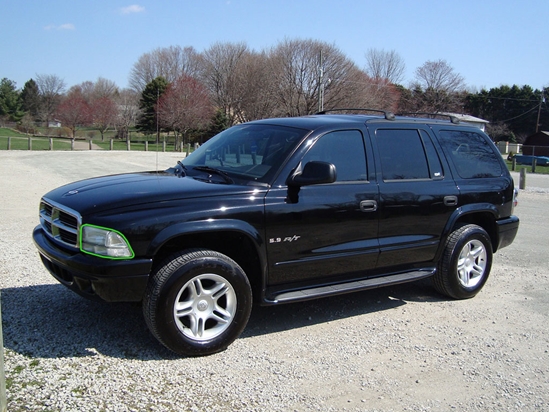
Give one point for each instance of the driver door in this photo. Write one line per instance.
(325, 231)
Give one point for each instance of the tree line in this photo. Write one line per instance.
(195, 95)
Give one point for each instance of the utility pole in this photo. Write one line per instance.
(320, 83)
(541, 100)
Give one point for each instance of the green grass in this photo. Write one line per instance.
(542, 170)
(21, 142)
(38, 143)
(135, 146)
(7, 132)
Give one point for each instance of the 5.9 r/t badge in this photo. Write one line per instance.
(288, 239)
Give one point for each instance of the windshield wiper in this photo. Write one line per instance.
(213, 170)
(182, 170)
(179, 170)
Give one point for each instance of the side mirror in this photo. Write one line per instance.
(314, 173)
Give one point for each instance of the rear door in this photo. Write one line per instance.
(478, 169)
(417, 195)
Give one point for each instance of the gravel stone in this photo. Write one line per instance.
(399, 348)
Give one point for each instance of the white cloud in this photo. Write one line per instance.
(66, 26)
(134, 8)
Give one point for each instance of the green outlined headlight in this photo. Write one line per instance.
(104, 242)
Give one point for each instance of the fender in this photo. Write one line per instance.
(459, 214)
(212, 226)
(204, 226)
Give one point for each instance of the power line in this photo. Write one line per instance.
(520, 115)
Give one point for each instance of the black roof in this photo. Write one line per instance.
(312, 122)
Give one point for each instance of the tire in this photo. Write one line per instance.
(465, 264)
(197, 302)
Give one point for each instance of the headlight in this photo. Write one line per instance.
(104, 242)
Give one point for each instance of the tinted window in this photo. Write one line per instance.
(344, 149)
(472, 155)
(435, 167)
(402, 154)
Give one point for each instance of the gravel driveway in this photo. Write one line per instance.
(392, 349)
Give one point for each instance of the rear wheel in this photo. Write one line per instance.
(465, 264)
(197, 302)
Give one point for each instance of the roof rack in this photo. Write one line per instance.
(452, 119)
(388, 115)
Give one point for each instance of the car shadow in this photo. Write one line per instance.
(278, 318)
(49, 321)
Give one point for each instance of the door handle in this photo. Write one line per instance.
(450, 200)
(368, 206)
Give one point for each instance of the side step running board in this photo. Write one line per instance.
(337, 289)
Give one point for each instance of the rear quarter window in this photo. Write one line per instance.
(471, 153)
(407, 154)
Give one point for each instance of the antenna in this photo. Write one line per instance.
(157, 128)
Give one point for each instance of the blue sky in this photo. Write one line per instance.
(490, 43)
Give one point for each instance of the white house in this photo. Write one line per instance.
(472, 120)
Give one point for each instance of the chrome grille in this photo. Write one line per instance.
(60, 223)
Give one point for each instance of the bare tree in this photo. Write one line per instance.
(104, 88)
(256, 88)
(185, 105)
(99, 97)
(127, 103)
(361, 91)
(437, 88)
(168, 62)
(296, 70)
(221, 72)
(74, 111)
(51, 89)
(439, 75)
(385, 65)
(309, 75)
(103, 114)
(96, 90)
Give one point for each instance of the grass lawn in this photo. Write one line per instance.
(38, 143)
(137, 146)
(544, 170)
(7, 132)
(20, 141)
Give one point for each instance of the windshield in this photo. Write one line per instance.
(248, 151)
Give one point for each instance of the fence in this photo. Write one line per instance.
(506, 147)
(50, 143)
(535, 150)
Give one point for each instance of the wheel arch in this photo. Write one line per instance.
(236, 239)
(484, 216)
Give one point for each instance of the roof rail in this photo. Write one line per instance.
(452, 119)
(388, 115)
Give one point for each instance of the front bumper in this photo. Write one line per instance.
(93, 277)
(507, 230)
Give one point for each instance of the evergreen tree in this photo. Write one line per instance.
(10, 101)
(30, 98)
(219, 123)
(147, 104)
(515, 107)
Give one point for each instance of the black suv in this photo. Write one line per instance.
(284, 210)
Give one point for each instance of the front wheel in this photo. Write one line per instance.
(197, 302)
(465, 264)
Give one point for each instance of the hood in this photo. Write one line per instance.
(134, 189)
